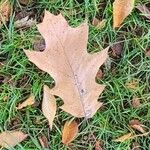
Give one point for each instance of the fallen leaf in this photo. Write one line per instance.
(98, 23)
(121, 9)
(24, 2)
(25, 22)
(69, 132)
(67, 61)
(98, 145)
(144, 10)
(117, 49)
(9, 139)
(135, 124)
(136, 102)
(147, 53)
(39, 44)
(124, 137)
(49, 106)
(5, 10)
(133, 84)
(129, 136)
(136, 146)
(43, 141)
(29, 101)
(99, 74)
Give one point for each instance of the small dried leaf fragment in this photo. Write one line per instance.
(135, 124)
(75, 70)
(24, 2)
(136, 102)
(117, 49)
(29, 101)
(43, 141)
(5, 10)
(39, 44)
(136, 146)
(49, 106)
(132, 85)
(69, 132)
(24, 22)
(124, 137)
(98, 145)
(147, 53)
(144, 10)
(9, 139)
(98, 23)
(121, 9)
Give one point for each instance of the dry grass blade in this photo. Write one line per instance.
(123, 138)
(121, 9)
(9, 139)
(29, 101)
(69, 132)
(43, 141)
(49, 106)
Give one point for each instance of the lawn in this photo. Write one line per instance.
(19, 78)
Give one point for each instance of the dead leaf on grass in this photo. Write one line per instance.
(99, 24)
(49, 105)
(136, 146)
(29, 101)
(124, 137)
(98, 145)
(43, 141)
(5, 10)
(136, 102)
(24, 2)
(121, 9)
(9, 139)
(129, 136)
(39, 44)
(99, 74)
(69, 132)
(144, 10)
(147, 53)
(135, 124)
(24, 23)
(117, 49)
(67, 61)
(133, 84)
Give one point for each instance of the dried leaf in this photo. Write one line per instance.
(135, 146)
(29, 101)
(66, 60)
(135, 124)
(5, 10)
(133, 84)
(9, 139)
(49, 106)
(129, 136)
(136, 102)
(98, 145)
(99, 74)
(24, 2)
(117, 49)
(69, 132)
(39, 44)
(124, 137)
(25, 22)
(121, 9)
(144, 10)
(147, 53)
(98, 24)
(43, 141)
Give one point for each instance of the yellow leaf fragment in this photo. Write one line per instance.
(121, 9)
(69, 132)
(5, 10)
(9, 139)
(124, 137)
(49, 106)
(29, 101)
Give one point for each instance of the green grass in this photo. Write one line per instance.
(23, 78)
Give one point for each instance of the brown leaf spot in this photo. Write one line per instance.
(136, 102)
(43, 141)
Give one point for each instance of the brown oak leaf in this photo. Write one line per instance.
(65, 58)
